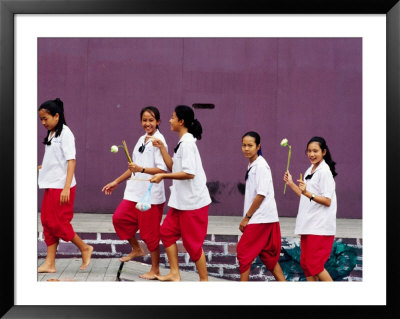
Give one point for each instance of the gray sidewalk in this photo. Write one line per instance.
(220, 249)
(106, 269)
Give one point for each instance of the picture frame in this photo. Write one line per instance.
(7, 11)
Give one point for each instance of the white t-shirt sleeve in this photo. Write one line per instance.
(327, 184)
(68, 145)
(188, 157)
(263, 177)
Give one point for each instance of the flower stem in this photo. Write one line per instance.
(126, 151)
(287, 166)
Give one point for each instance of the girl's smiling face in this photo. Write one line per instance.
(175, 123)
(250, 148)
(149, 122)
(49, 121)
(315, 153)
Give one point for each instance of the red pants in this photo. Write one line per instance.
(56, 218)
(191, 225)
(262, 240)
(315, 251)
(127, 220)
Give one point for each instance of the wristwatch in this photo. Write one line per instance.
(248, 216)
(312, 197)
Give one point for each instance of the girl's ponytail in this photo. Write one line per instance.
(186, 113)
(195, 129)
(327, 157)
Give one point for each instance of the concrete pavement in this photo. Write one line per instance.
(223, 234)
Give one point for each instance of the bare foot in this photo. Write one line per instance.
(134, 253)
(86, 255)
(169, 277)
(151, 275)
(44, 268)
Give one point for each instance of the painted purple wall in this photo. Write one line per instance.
(280, 87)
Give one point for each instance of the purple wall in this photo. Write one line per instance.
(280, 87)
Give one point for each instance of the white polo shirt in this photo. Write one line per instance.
(188, 194)
(151, 157)
(314, 218)
(259, 182)
(55, 160)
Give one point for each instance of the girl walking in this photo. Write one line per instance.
(189, 199)
(57, 178)
(316, 218)
(260, 223)
(127, 219)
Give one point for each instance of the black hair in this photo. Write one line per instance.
(186, 113)
(153, 110)
(327, 157)
(53, 107)
(256, 137)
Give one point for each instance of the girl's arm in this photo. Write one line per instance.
(122, 178)
(254, 206)
(64, 197)
(166, 157)
(289, 181)
(318, 199)
(148, 170)
(177, 175)
(109, 188)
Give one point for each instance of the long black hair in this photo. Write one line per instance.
(186, 113)
(256, 137)
(327, 157)
(152, 110)
(53, 107)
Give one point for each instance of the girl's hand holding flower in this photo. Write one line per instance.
(134, 167)
(287, 178)
(302, 186)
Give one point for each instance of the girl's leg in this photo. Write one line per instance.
(312, 278)
(149, 225)
(172, 253)
(278, 273)
(201, 266)
(324, 276)
(137, 251)
(155, 266)
(244, 276)
(86, 251)
(49, 265)
(125, 222)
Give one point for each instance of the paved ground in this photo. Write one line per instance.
(106, 269)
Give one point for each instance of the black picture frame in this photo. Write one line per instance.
(8, 8)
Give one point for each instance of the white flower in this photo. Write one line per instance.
(114, 149)
(284, 142)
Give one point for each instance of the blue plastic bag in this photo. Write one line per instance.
(144, 203)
